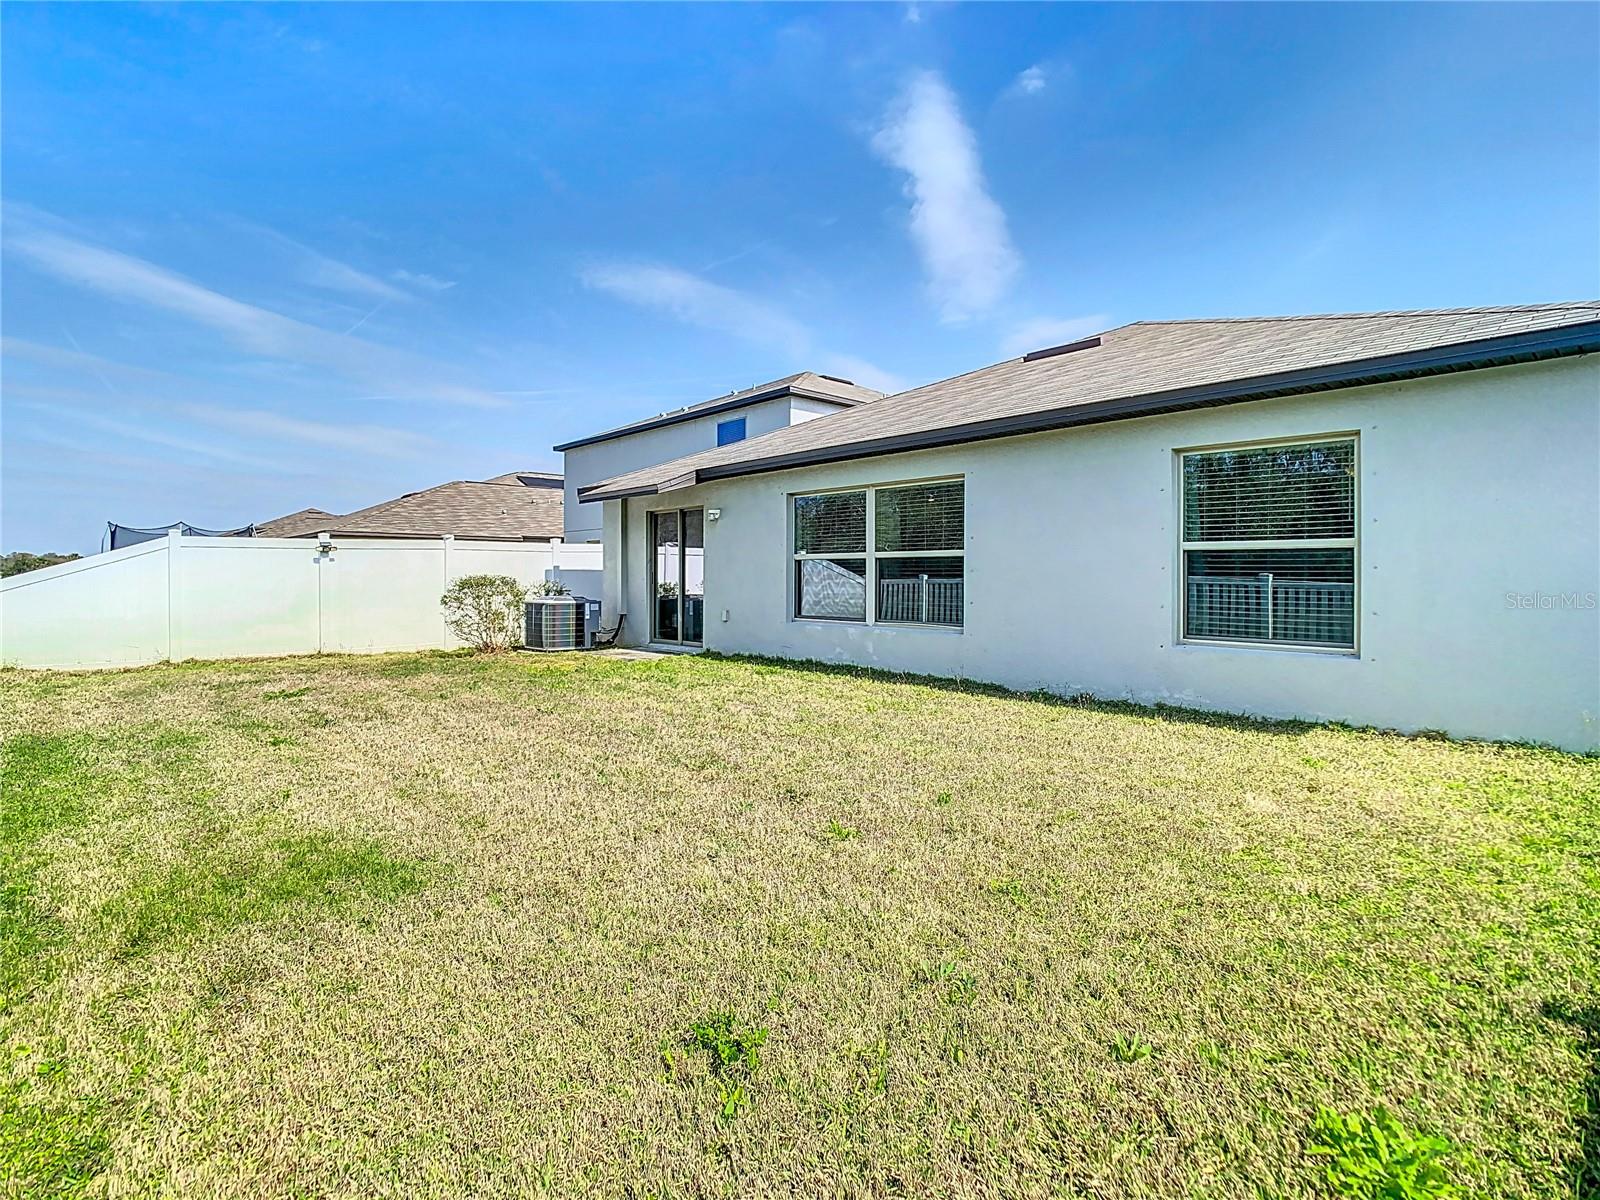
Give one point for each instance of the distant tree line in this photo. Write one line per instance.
(19, 561)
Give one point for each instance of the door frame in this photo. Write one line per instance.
(683, 574)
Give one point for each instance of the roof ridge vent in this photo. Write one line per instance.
(837, 379)
(1088, 343)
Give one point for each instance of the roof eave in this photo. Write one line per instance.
(1506, 350)
(710, 410)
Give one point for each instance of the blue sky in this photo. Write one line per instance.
(258, 258)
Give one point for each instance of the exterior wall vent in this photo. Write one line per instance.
(1088, 343)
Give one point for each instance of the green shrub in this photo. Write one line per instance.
(485, 611)
(1377, 1158)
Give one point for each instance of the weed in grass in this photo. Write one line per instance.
(1012, 889)
(286, 693)
(953, 1046)
(959, 987)
(674, 1064)
(735, 1052)
(734, 1048)
(731, 1097)
(1375, 1157)
(842, 833)
(875, 1060)
(943, 798)
(1131, 1048)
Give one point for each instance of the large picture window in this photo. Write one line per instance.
(882, 555)
(1269, 544)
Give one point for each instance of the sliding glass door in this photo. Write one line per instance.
(677, 576)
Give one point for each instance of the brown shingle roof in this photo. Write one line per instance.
(307, 520)
(528, 478)
(495, 511)
(1150, 366)
(808, 384)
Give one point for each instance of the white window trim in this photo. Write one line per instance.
(871, 555)
(1180, 574)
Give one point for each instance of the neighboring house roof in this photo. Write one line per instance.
(492, 511)
(1146, 368)
(307, 520)
(806, 384)
(528, 479)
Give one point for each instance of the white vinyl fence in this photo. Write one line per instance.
(191, 597)
(922, 600)
(1265, 607)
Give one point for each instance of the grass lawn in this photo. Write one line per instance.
(436, 925)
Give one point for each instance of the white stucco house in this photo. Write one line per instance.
(1383, 518)
(718, 422)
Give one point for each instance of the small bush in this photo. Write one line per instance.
(485, 611)
(1377, 1158)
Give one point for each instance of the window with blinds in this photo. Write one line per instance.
(1269, 544)
(919, 568)
(830, 556)
(883, 555)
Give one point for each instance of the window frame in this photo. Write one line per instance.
(1352, 543)
(744, 430)
(871, 555)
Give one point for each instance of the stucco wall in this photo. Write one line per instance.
(1475, 489)
(591, 464)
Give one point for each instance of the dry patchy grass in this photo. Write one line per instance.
(434, 925)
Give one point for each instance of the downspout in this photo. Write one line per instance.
(622, 558)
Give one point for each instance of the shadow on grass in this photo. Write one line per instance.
(1586, 1020)
(1084, 700)
(1211, 718)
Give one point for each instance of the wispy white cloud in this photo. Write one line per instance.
(74, 360)
(699, 302)
(358, 439)
(86, 408)
(421, 279)
(1043, 332)
(247, 326)
(696, 301)
(145, 432)
(1030, 82)
(958, 228)
(319, 270)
